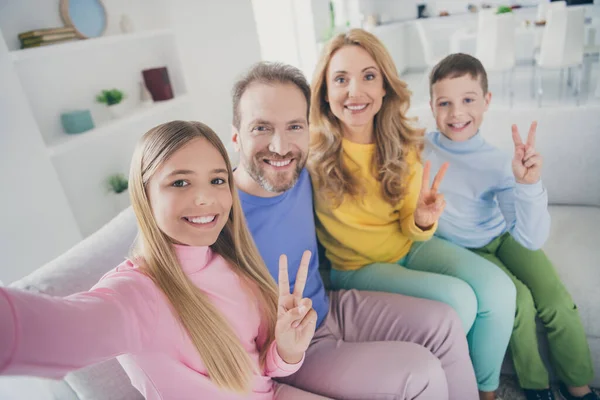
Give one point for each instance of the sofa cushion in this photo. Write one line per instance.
(78, 270)
(574, 249)
(102, 381)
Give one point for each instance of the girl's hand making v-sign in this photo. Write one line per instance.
(296, 319)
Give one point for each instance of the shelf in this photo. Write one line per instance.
(71, 141)
(84, 44)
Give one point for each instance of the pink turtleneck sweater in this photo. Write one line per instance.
(126, 316)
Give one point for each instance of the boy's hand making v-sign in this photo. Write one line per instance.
(527, 162)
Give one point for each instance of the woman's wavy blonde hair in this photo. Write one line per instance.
(394, 135)
(229, 366)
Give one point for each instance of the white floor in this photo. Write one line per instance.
(418, 83)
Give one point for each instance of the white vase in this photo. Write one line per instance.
(117, 110)
(145, 95)
(126, 24)
(121, 201)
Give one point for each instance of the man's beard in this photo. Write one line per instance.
(276, 182)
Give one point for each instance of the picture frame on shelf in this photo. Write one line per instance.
(87, 17)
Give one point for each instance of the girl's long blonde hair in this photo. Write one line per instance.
(395, 137)
(228, 364)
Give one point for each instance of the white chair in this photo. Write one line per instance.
(562, 46)
(543, 7)
(591, 51)
(496, 46)
(542, 14)
(597, 91)
(430, 59)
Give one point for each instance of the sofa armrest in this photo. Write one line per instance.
(84, 264)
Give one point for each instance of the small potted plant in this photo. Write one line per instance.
(503, 10)
(114, 100)
(118, 185)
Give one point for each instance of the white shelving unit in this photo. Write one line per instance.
(63, 77)
(73, 141)
(36, 53)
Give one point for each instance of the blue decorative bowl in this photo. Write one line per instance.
(77, 121)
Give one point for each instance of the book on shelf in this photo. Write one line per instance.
(40, 44)
(47, 38)
(158, 83)
(46, 31)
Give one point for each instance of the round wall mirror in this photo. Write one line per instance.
(88, 17)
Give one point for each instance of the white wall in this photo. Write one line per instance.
(288, 31)
(275, 22)
(217, 41)
(306, 36)
(36, 223)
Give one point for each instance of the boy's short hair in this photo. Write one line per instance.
(457, 65)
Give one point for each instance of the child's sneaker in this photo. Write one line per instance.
(541, 394)
(564, 393)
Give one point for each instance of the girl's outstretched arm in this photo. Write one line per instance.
(50, 336)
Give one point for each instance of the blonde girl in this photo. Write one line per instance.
(194, 313)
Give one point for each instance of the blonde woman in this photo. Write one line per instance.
(376, 210)
(194, 313)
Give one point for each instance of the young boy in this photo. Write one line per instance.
(498, 208)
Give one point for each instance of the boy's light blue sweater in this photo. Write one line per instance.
(483, 201)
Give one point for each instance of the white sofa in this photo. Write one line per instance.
(569, 138)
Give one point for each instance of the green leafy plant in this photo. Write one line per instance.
(503, 10)
(118, 183)
(110, 97)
